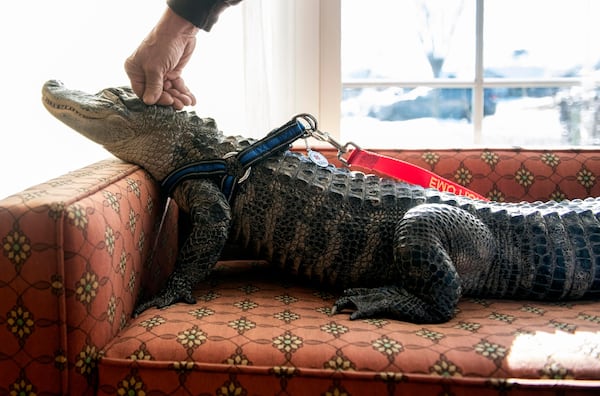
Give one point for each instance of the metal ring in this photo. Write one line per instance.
(308, 119)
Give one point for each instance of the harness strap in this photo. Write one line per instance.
(235, 167)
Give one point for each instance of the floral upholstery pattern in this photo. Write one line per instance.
(249, 323)
(75, 252)
(78, 250)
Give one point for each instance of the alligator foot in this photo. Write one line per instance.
(390, 301)
(168, 295)
(367, 303)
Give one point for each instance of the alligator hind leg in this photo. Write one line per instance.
(434, 243)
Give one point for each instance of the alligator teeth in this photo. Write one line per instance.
(72, 109)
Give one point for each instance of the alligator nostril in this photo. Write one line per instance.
(53, 84)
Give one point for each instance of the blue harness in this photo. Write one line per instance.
(235, 167)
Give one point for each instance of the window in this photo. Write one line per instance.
(514, 72)
(470, 72)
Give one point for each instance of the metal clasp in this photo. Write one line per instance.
(344, 150)
(312, 130)
(341, 148)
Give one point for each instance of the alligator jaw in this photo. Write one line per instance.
(58, 100)
(102, 118)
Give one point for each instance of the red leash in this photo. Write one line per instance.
(378, 163)
(410, 173)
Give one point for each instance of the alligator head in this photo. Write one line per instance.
(158, 138)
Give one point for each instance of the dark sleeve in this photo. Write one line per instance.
(202, 13)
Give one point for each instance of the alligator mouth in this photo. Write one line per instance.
(59, 100)
(56, 108)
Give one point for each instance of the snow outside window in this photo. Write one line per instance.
(435, 73)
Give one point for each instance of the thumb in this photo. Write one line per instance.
(153, 88)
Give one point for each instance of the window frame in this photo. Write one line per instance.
(332, 84)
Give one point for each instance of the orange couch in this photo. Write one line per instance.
(79, 249)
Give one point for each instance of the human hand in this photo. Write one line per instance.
(155, 67)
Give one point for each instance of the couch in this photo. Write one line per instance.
(78, 250)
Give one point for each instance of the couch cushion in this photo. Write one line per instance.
(256, 332)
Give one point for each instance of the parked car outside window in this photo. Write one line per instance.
(444, 103)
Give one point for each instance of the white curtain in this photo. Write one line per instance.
(281, 57)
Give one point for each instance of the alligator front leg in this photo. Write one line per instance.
(439, 250)
(210, 216)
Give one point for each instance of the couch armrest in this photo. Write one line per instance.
(76, 251)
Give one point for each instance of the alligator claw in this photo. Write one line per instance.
(367, 303)
(342, 304)
(165, 298)
(387, 301)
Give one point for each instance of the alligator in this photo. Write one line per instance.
(387, 248)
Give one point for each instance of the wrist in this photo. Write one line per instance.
(173, 24)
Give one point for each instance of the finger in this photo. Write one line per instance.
(165, 99)
(180, 97)
(177, 104)
(179, 100)
(138, 87)
(153, 90)
(180, 86)
(136, 76)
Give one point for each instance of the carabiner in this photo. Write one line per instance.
(344, 150)
(312, 130)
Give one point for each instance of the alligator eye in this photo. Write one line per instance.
(124, 96)
(133, 103)
(109, 93)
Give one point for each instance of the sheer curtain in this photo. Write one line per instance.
(282, 61)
